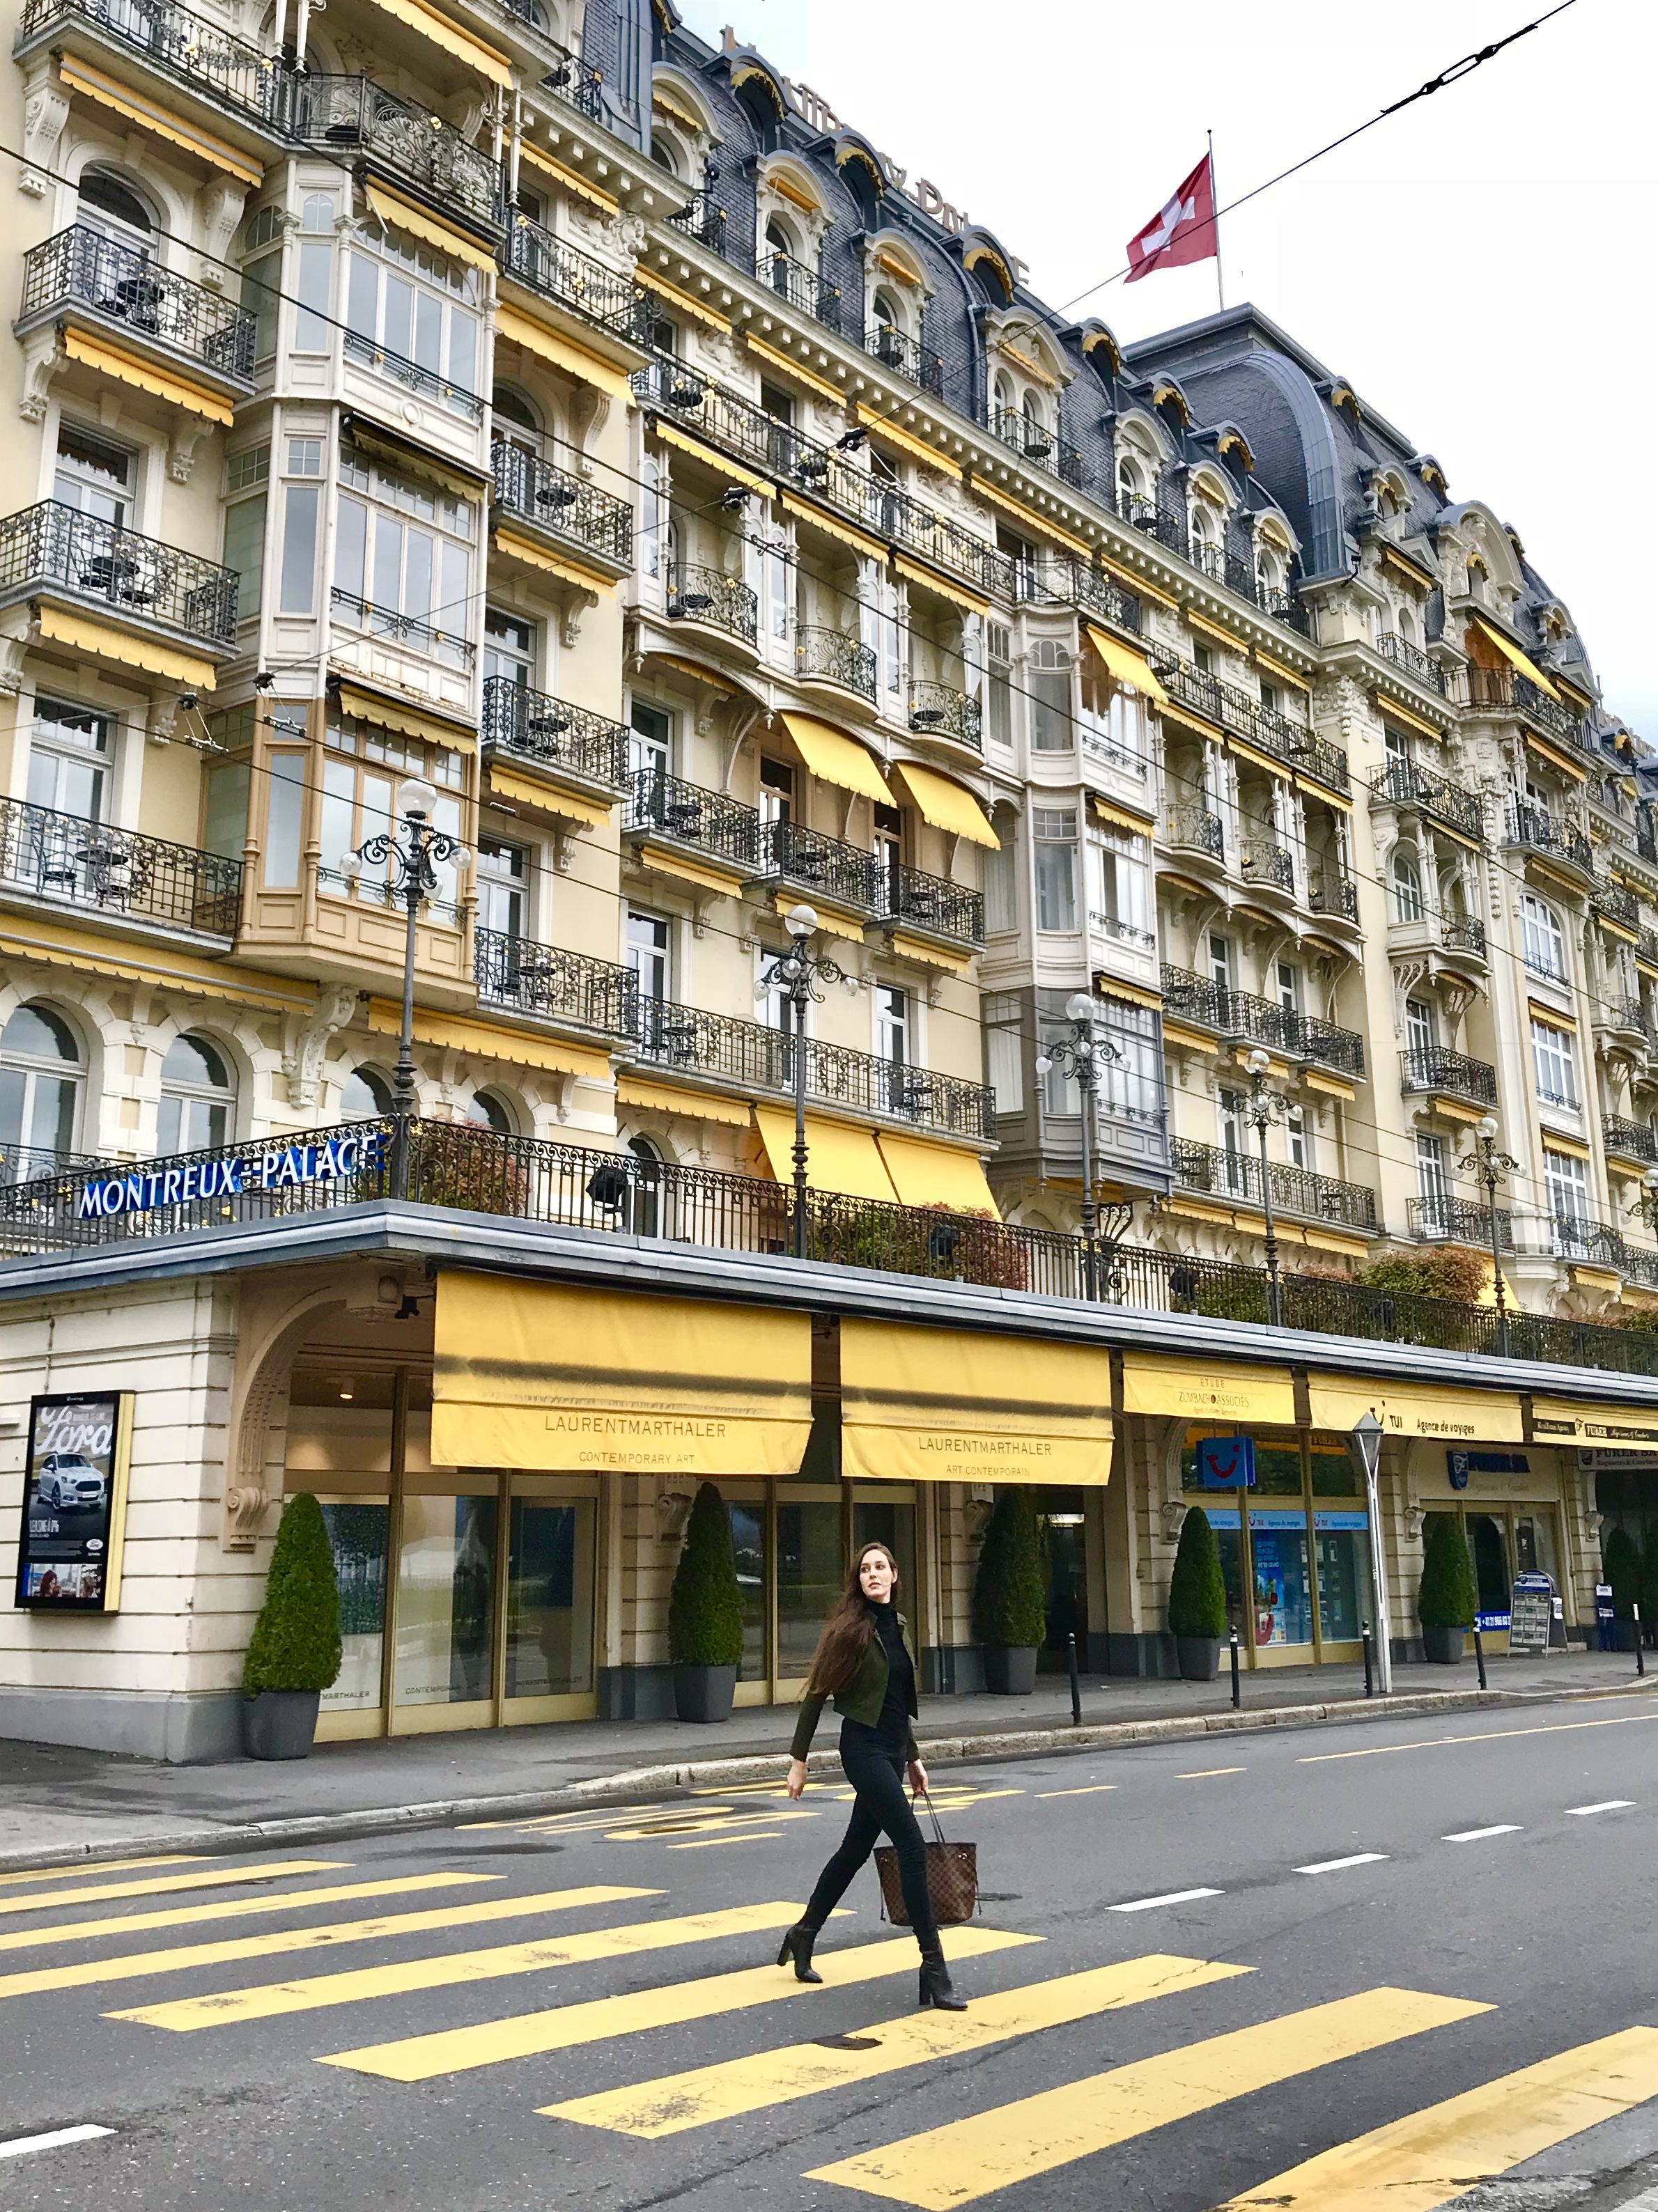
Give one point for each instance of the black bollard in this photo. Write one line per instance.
(1076, 1686)
(1479, 1657)
(1640, 1655)
(1370, 1679)
(1237, 1695)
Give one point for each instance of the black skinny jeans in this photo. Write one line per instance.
(878, 1778)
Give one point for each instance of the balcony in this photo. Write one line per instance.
(1268, 867)
(1616, 903)
(1237, 1176)
(37, 1163)
(578, 85)
(665, 809)
(1402, 783)
(790, 853)
(561, 507)
(57, 860)
(703, 219)
(937, 711)
(1094, 592)
(1193, 829)
(53, 547)
(834, 656)
(130, 295)
(1435, 1068)
(1195, 688)
(229, 74)
(1461, 933)
(1413, 660)
(1627, 1139)
(569, 988)
(1505, 692)
(1283, 606)
(717, 601)
(1045, 449)
(569, 745)
(408, 629)
(907, 357)
(1336, 898)
(1588, 1239)
(933, 905)
(408, 145)
(1440, 1217)
(1263, 727)
(1239, 1016)
(752, 1057)
(1624, 1018)
(1533, 830)
(413, 375)
(576, 282)
(806, 291)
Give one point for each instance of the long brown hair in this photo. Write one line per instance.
(846, 1633)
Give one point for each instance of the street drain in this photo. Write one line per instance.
(847, 2042)
(1000, 1896)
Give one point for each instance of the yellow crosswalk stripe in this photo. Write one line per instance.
(692, 2099)
(1431, 2156)
(568, 2027)
(134, 1966)
(228, 1871)
(697, 1824)
(460, 1967)
(190, 1916)
(82, 1868)
(971, 2158)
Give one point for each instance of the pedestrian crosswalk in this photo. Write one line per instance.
(955, 2120)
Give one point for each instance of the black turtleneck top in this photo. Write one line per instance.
(890, 1734)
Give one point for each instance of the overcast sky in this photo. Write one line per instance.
(1480, 268)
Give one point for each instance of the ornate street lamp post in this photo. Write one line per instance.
(796, 975)
(1262, 1110)
(1490, 1166)
(1081, 1055)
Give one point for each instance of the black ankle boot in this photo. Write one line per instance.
(797, 1945)
(936, 1987)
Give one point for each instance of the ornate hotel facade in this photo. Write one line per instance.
(543, 406)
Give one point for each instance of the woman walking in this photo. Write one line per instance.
(864, 1662)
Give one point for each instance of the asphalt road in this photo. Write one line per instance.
(1337, 1928)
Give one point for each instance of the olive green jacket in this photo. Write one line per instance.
(863, 1698)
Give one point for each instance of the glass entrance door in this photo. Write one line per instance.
(1064, 1529)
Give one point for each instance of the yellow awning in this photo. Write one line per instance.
(1208, 1390)
(837, 1158)
(961, 595)
(529, 791)
(836, 758)
(1575, 1421)
(1560, 761)
(1107, 986)
(1512, 653)
(668, 860)
(110, 644)
(935, 1174)
(1133, 581)
(409, 456)
(1126, 664)
(454, 40)
(561, 564)
(671, 435)
(484, 1041)
(874, 549)
(1283, 674)
(81, 77)
(412, 721)
(1214, 632)
(512, 323)
(1270, 761)
(1030, 517)
(572, 179)
(1573, 1147)
(695, 669)
(663, 96)
(1170, 713)
(697, 1105)
(946, 805)
(790, 367)
(688, 302)
(1391, 710)
(835, 921)
(403, 215)
(1422, 1409)
(114, 360)
(909, 441)
(946, 1405)
(563, 1378)
(1106, 810)
(86, 952)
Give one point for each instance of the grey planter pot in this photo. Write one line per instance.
(1442, 1646)
(1199, 1657)
(1009, 1669)
(704, 1694)
(280, 1723)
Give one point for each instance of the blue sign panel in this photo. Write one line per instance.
(1226, 1462)
(234, 1175)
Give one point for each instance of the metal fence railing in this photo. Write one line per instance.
(62, 860)
(81, 267)
(134, 576)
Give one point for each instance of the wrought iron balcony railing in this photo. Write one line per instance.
(1208, 559)
(805, 290)
(535, 491)
(703, 219)
(414, 376)
(1043, 448)
(1412, 660)
(60, 859)
(83, 268)
(1461, 933)
(1223, 703)
(1617, 902)
(34, 1163)
(1283, 606)
(1441, 1217)
(1093, 591)
(1295, 1190)
(1630, 1140)
(137, 577)
(907, 357)
(1435, 1068)
(407, 629)
(1628, 1016)
(835, 656)
(915, 900)
(558, 272)
(1239, 1014)
(1194, 829)
(354, 113)
(1267, 864)
(791, 851)
(666, 806)
(709, 595)
(1335, 895)
(217, 65)
(937, 711)
(1578, 1234)
(1534, 830)
(1402, 783)
(551, 733)
(1194, 687)
(578, 84)
(571, 989)
(1486, 691)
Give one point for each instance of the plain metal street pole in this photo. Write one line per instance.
(1260, 1113)
(1366, 1444)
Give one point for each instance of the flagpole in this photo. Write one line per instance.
(1215, 196)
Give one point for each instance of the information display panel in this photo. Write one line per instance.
(74, 1516)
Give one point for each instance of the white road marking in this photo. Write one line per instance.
(1610, 1805)
(20, 2146)
(1174, 1896)
(1478, 1835)
(1334, 1866)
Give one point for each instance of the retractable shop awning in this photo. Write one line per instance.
(1571, 1420)
(1208, 1390)
(1483, 1417)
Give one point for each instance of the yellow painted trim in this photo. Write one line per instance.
(1285, 675)
(947, 587)
(790, 367)
(910, 441)
(1204, 628)
(1386, 707)
(666, 1098)
(832, 527)
(460, 1034)
(404, 215)
(1187, 1040)
(1331, 1085)
(837, 921)
(1126, 664)
(1270, 761)
(562, 352)
(1573, 1147)
(1561, 761)
(114, 360)
(1188, 720)
(87, 635)
(1135, 582)
(711, 457)
(551, 799)
(1106, 810)
(412, 720)
(86, 952)
(1513, 655)
(688, 303)
(572, 179)
(441, 32)
(1108, 986)
(559, 564)
(668, 862)
(928, 955)
(1030, 517)
(81, 77)
(947, 804)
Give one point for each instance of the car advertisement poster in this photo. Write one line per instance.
(69, 1552)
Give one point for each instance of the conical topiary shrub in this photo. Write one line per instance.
(295, 1651)
(704, 1613)
(1622, 1558)
(1445, 1600)
(1196, 1599)
(1010, 1596)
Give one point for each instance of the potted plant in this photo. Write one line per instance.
(295, 1653)
(1444, 1603)
(1196, 1600)
(704, 1613)
(1010, 1596)
(1623, 1558)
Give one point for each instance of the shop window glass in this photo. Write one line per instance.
(550, 1597)
(1333, 1474)
(1283, 1589)
(1064, 1541)
(1227, 1522)
(1278, 1470)
(1342, 1544)
(446, 1600)
(748, 1546)
(809, 1571)
(877, 1522)
(358, 1533)
(1488, 1549)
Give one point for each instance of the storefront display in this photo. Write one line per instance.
(1303, 1557)
(358, 1533)
(73, 1517)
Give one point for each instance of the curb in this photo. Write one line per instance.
(644, 1781)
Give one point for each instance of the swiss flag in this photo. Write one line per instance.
(1183, 232)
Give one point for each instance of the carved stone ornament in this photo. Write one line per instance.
(673, 1515)
(305, 1044)
(1174, 1512)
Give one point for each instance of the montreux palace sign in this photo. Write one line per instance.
(236, 1175)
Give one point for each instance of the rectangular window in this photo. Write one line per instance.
(244, 551)
(503, 874)
(1418, 1025)
(1220, 963)
(509, 649)
(390, 313)
(1554, 1062)
(338, 835)
(224, 816)
(261, 285)
(1001, 883)
(998, 650)
(1004, 1062)
(777, 791)
(1289, 987)
(248, 468)
(1566, 1181)
(299, 550)
(1055, 831)
(893, 1025)
(351, 547)
(648, 955)
(284, 815)
(69, 755)
(1298, 1138)
(1049, 673)
(304, 457)
(1431, 1185)
(1544, 940)
(316, 269)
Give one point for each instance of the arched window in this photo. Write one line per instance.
(1407, 888)
(108, 203)
(1407, 625)
(40, 1081)
(486, 1111)
(514, 418)
(1004, 392)
(779, 242)
(1049, 680)
(643, 1191)
(888, 312)
(665, 153)
(197, 1098)
(367, 1097)
(1544, 940)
